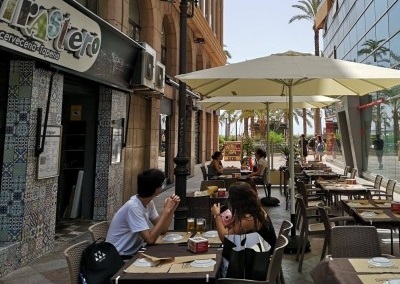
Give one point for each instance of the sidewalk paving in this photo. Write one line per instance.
(52, 268)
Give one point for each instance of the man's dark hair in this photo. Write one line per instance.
(149, 181)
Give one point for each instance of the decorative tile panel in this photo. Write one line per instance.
(109, 178)
(27, 203)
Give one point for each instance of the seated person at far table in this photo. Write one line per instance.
(258, 175)
(216, 167)
(248, 216)
(130, 227)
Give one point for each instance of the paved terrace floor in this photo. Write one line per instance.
(52, 268)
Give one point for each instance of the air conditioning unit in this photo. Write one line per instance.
(160, 77)
(143, 78)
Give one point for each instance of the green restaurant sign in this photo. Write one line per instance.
(50, 30)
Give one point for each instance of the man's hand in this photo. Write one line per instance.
(171, 203)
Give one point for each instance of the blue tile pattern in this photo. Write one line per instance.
(26, 203)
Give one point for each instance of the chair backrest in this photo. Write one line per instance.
(391, 184)
(354, 241)
(200, 207)
(211, 172)
(301, 189)
(265, 176)
(229, 181)
(274, 266)
(275, 263)
(378, 181)
(99, 230)
(327, 225)
(204, 172)
(302, 211)
(285, 228)
(206, 183)
(73, 254)
(353, 173)
(346, 170)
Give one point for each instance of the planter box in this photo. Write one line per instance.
(274, 177)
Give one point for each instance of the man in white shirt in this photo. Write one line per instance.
(130, 228)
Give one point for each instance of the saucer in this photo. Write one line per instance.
(210, 234)
(368, 214)
(392, 281)
(172, 237)
(145, 262)
(202, 263)
(380, 262)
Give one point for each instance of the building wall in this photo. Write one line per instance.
(365, 31)
(109, 178)
(27, 205)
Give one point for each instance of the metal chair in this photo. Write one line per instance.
(229, 181)
(307, 229)
(346, 171)
(206, 183)
(99, 230)
(204, 172)
(73, 254)
(273, 268)
(284, 230)
(353, 173)
(388, 193)
(264, 182)
(355, 241)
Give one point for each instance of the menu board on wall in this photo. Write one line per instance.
(49, 160)
(232, 150)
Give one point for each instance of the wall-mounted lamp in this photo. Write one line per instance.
(199, 40)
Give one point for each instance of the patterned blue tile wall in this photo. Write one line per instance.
(109, 178)
(28, 205)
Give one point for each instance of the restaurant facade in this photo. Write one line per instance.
(365, 31)
(85, 106)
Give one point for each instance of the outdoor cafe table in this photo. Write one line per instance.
(334, 188)
(373, 212)
(314, 174)
(353, 271)
(170, 250)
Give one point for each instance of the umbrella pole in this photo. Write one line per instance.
(293, 244)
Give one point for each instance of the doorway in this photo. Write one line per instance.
(79, 115)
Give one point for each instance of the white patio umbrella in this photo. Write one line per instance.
(267, 103)
(294, 74)
(260, 102)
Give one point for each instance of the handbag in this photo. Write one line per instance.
(245, 257)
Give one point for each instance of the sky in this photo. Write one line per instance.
(258, 28)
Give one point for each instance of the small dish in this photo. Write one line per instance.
(368, 214)
(145, 262)
(392, 281)
(210, 234)
(172, 238)
(199, 263)
(380, 262)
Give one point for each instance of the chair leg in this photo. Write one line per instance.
(324, 248)
(281, 278)
(300, 243)
(303, 250)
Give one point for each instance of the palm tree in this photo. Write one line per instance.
(394, 104)
(309, 9)
(378, 51)
(227, 54)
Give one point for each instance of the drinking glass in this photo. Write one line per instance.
(190, 224)
(200, 225)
